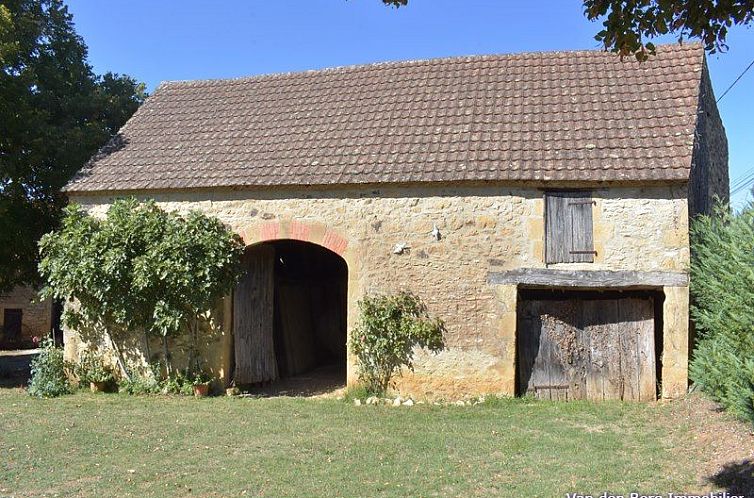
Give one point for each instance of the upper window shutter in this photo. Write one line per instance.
(557, 229)
(568, 227)
(582, 232)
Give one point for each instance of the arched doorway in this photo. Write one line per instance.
(289, 318)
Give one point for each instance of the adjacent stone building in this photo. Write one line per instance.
(538, 203)
(24, 317)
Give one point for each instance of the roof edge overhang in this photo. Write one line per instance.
(531, 184)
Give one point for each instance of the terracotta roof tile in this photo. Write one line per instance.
(560, 116)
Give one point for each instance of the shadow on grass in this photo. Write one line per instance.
(322, 381)
(737, 478)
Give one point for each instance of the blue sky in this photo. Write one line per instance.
(189, 39)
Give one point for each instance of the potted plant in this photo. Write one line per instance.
(201, 385)
(100, 379)
(93, 370)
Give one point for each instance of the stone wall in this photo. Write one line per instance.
(36, 319)
(709, 163)
(482, 228)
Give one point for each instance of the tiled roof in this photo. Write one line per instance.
(559, 116)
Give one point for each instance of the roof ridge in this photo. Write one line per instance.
(409, 62)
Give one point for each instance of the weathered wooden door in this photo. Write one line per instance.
(587, 348)
(253, 318)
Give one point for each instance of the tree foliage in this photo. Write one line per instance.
(722, 284)
(55, 113)
(389, 330)
(629, 25)
(140, 269)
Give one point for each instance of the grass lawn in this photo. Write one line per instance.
(117, 445)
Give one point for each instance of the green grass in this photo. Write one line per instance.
(117, 445)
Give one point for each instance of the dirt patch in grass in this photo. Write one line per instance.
(324, 382)
(720, 449)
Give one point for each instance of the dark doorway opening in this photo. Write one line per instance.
(290, 319)
(12, 322)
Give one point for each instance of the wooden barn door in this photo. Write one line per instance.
(587, 348)
(253, 318)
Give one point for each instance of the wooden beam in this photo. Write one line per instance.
(587, 279)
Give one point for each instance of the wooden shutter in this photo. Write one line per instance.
(568, 227)
(582, 231)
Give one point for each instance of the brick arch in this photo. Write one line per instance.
(305, 231)
(324, 236)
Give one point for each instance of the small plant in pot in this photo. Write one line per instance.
(100, 380)
(201, 385)
(93, 370)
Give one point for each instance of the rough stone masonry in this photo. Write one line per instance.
(483, 229)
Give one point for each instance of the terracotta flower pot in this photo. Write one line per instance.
(97, 387)
(201, 390)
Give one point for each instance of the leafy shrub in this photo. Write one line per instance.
(722, 285)
(390, 328)
(139, 385)
(92, 368)
(48, 372)
(141, 268)
(178, 382)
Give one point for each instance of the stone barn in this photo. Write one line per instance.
(538, 203)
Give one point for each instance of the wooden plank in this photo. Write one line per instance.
(578, 379)
(549, 353)
(547, 360)
(614, 330)
(617, 369)
(557, 228)
(629, 310)
(596, 363)
(527, 343)
(253, 315)
(561, 338)
(529, 331)
(581, 237)
(645, 345)
(588, 279)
